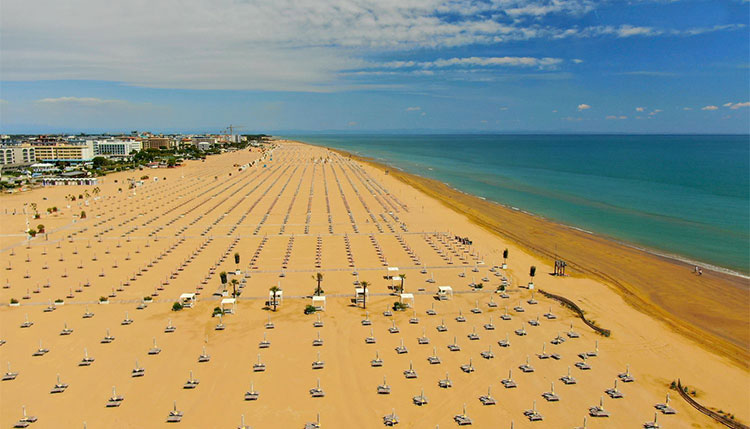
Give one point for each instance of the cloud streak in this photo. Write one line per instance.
(292, 45)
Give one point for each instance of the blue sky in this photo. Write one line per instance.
(392, 65)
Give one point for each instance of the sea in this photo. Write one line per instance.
(683, 196)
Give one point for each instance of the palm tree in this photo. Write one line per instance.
(403, 277)
(505, 256)
(223, 277)
(319, 278)
(532, 273)
(364, 285)
(236, 258)
(234, 288)
(274, 290)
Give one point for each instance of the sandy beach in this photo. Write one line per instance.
(301, 210)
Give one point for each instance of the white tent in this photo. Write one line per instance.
(228, 302)
(279, 296)
(444, 292)
(187, 300)
(319, 302)
(405, 296)
(360, 294)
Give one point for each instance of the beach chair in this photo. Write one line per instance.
(384, 389)
(462, 419)
(252, 394)
(567, 379)
(488, 399)
(551, 396)
(420, 399)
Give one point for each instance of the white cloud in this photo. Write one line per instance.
(583, 107)
(710, 108)
(655, 112)
(639, 109)
(290, 45)
(413, 109)
(542, 63)
(81, 101)
(627, 30)
(615, 117)
(577, 60)
(541, 8)
(735, 106)
(687, 108)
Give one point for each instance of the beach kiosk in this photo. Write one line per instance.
(279, 296)
(404, 298)
(444, 293)
(392, 272)
(187, 300)
(228, 305)
(360, 294)
(319, 302)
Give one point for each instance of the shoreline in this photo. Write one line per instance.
(384, 163)
(702, 314)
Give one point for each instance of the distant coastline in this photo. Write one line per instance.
(677, 258)
(689, 232)
(711, 309)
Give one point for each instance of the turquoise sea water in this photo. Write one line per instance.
(687, 196)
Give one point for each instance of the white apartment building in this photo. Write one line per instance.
(116, 148)
(21, 154)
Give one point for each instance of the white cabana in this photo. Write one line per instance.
(279, 296)
(445, 292)
(406, 296)
(360, 294)
(187, 300)
(228, 305)
(319, 302)
(395, 279)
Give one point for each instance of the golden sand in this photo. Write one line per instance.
(187, 227)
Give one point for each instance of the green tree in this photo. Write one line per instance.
(99, 162)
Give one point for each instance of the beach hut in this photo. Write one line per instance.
(279, 296)
(444, 292)
(407, 296)
(319, 302)
(228, 305)
(360, 294)
(187, 300)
